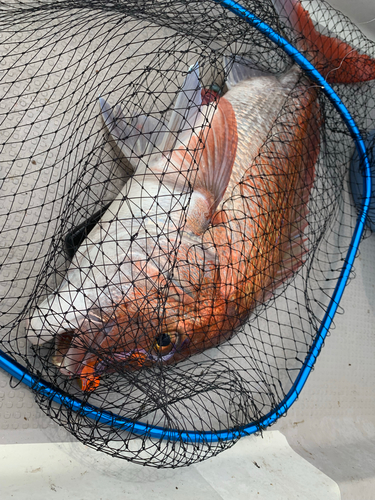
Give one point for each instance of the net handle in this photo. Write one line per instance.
(141, 429)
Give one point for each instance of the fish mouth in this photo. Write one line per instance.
(136, 359)
(94, 369)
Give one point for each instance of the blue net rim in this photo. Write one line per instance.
(141, 429)
(356, 178)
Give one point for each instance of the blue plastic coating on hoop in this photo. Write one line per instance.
(142, 429)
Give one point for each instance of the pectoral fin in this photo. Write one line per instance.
(214, 152)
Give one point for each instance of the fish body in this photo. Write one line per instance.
(177, 263)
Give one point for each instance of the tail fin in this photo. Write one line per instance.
(337, 61)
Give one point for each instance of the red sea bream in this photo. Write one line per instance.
(176, 264)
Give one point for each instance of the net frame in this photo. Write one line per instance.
(19, 372)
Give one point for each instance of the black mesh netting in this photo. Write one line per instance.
(191, 301)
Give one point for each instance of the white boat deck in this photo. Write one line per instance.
(323, 449)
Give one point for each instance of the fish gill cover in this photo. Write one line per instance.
(175, 211)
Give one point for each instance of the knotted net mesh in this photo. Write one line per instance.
(127, 305)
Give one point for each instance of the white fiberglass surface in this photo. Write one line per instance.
(331, 426)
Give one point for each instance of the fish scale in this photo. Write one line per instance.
(262, 194)
(256, 104)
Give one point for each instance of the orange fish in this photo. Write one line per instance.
(177, 263)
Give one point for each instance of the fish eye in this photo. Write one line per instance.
(165, 342)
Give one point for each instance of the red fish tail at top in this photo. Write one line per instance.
(336, 60)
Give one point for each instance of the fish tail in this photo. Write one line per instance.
(336, 60)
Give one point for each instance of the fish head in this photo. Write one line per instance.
(154, 321)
